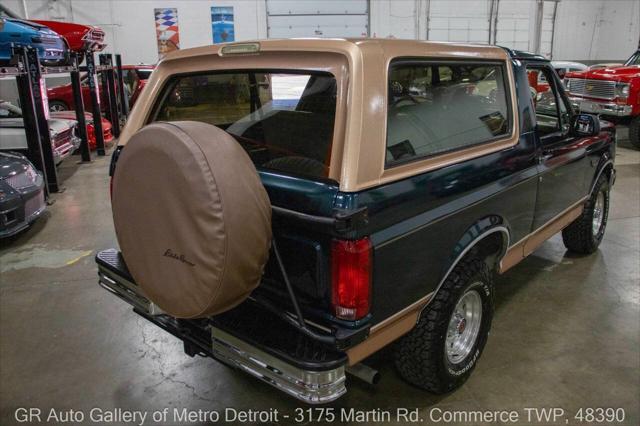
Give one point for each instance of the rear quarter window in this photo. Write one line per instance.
(283, 119)
(439, 107)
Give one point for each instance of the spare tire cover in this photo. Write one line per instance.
(192, 217)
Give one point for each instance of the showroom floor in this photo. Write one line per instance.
(566, 331)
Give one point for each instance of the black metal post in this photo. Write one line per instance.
(35, 120)
(104, 86)
(124, 102)
(85, 152)
(32, 130)
(95, 103)
(113, 98)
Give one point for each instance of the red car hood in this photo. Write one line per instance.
(622, 73)
(78, 36)
(71, 115)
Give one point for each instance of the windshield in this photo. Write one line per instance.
(9, 110)
(283, 120)
(634, 59)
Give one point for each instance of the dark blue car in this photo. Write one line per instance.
(52, 48)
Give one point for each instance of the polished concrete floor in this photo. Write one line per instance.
(566, 331)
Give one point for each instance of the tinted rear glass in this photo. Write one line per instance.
(283, 120)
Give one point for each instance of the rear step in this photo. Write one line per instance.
(247, 337)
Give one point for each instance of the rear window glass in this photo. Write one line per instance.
(435, 108)
(283, 120)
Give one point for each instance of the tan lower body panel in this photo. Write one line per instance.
(528, 244)
(388, 330)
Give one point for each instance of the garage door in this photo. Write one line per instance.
(513, 25)
(318, 18)
(516, 25)
(459, 21)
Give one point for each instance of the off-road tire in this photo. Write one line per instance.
(579, 237)
(634, 132)
(420, 356)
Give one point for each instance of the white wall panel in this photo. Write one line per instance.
(459, 20)
(326, 7)
(395, 19)
(547, 33)
(328, 18)
(317, 26)
(596, 30)
(516, 21)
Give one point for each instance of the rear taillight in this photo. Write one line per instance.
(351, 273)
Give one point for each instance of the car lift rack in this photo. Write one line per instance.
(26, 68)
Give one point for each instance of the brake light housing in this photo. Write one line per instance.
(351, 263)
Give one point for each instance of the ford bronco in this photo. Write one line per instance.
(290, 207)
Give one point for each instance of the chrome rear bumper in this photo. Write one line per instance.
(312, 387)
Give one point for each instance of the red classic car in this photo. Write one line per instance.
(613, 92)
(537, 81)
(79, 37)
(91, 132)
(135, 77)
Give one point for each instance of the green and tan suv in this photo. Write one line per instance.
(290, 207)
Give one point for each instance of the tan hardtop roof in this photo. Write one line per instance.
(357, 159)
(391, 47)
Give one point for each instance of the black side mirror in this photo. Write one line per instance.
(585, 125)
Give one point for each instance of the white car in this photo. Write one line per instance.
(63, 132)
(563, 67)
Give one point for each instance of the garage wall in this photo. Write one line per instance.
(584, 30)
(460, 21)
(329, 18)
(130, 25)
(603, 31)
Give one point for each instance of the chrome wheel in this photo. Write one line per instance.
(56, 107)
(464, 327)
(598, 214)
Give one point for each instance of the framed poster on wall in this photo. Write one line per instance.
(222, 24)
(167, 31)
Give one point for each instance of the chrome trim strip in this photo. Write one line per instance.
(475, 241)
(602, 168)
(312, 387)
(523, 241)
(126, 291)
(426, 300)
(433, 216)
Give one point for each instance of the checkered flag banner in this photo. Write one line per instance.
(167, 31)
